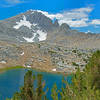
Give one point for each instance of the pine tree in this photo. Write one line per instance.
(54, 91)
(29, 91)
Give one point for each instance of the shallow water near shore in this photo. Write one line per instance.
(12, 80)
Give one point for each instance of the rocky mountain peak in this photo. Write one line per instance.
(65, 27)
(56, 23)
(41, 20)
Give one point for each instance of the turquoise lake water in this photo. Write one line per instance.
(12, 80)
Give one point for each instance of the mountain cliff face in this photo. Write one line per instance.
(31, 26)
(31, 39)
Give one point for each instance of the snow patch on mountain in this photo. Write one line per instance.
(54, 69)
(42, 36)
(3, 62)
(88, 32)
(23, 22)
(22, 54)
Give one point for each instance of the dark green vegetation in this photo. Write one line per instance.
(85, 85)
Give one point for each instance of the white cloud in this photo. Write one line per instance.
(95, 22)
(77, 23)
(10, 3)
(13, 1)
(74, 18)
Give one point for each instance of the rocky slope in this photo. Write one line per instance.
(43, 56)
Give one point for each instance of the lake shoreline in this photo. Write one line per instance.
(37, 69)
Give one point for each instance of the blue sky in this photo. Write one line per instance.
(83, 15)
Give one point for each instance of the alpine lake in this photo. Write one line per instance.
(12, 80)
